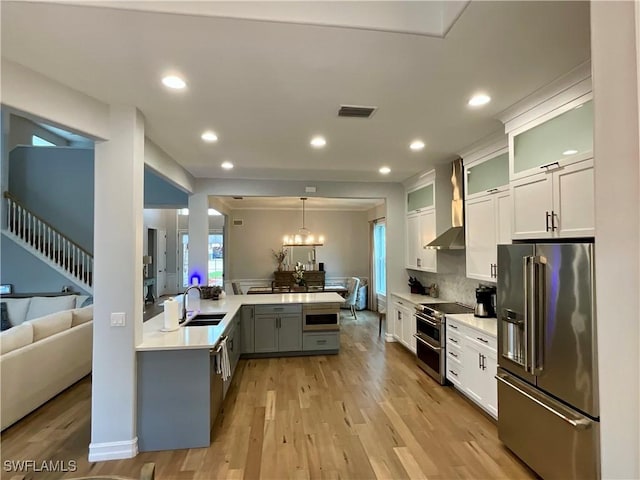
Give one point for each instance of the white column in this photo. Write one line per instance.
(617, 187)
(119, 184)
(199, 236)
(4, 163)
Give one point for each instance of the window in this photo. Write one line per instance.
(37, 141)
(380, 257)
(215, 255)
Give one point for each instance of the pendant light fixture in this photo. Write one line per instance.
(303, 237)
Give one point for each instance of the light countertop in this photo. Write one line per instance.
(487, 325)
(208, 336)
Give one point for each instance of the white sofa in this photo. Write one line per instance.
(42, 354)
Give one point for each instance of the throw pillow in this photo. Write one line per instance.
(6, 324)
(41, 306)
(17, 308)
(87, 302)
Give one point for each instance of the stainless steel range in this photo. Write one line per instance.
(430, 336)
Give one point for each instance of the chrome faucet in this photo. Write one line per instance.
(184, 300)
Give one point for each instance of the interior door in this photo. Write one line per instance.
(161, 264)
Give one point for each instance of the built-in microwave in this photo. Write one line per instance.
(321, 316)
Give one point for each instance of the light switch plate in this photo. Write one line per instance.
(118, 319)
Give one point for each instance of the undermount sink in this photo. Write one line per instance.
(205, 319)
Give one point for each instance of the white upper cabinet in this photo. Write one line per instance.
(552, 182)
(487, 209)
(421, 224)
(552, 142)
(551, 160)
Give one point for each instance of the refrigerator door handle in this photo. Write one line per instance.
(526, 269)
(579, 424)
(537, 336)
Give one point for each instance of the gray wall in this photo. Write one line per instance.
(345, 252)
(56, 183)
(158, 193)
(27, 273)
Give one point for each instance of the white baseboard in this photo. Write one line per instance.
(388, 337)
(100, 452)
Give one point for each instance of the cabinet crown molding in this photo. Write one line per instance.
(564, 89)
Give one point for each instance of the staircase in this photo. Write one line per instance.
(49, 245)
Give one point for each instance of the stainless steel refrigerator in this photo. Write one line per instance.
(548, 412)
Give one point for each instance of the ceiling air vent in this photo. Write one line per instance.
(356, 112)
(237, 222)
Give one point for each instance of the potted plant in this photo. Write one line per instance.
(298, 275)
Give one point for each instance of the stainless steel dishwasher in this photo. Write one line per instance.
(217, 385)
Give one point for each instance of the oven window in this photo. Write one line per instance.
(321, 319)
(428, 356)
(428, 331)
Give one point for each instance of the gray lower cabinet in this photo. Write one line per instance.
(320, 341)
(278, 328)
(179, 397)
(247, 325)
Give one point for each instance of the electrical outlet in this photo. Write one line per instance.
(118, 319)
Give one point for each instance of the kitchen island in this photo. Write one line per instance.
(180, 387)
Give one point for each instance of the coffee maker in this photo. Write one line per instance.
(485, 301)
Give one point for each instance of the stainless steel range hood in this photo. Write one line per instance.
(453, 238)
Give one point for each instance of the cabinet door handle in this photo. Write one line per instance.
(484, 367)
(482, 340)
(554, 215)
(455, 327)
(453, 354)
(492, 190)
(480, 361)
(550, 164)
(319, 342)
(453, 340)
(418, 262)
(453, 373)
(547, 221)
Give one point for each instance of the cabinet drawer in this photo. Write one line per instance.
(454, 353)
(482, 339)
(455, 339)
(320, 341)
(271, 309)
(454, 373)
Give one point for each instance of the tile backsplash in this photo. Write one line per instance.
(452, 282)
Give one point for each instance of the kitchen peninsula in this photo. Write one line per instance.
(180, 387)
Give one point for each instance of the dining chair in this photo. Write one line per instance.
(237, 290)
(353, 284)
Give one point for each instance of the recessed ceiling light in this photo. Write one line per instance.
(209, 136)
(227, 165)
(173, 81)
(570, 152)
(416, 145)
(384, 170)
(479, 99)
(318, 142)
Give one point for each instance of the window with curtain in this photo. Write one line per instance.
(380, 256)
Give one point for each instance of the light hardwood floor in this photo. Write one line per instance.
(368, 412)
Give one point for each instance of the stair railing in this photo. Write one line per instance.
(43, 237)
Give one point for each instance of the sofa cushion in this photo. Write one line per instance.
(48, 325)
(16, 337)
(81, 315)
(41, 306)
(4, 313)
(17, 308)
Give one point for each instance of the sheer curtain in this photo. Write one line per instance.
(377, 261)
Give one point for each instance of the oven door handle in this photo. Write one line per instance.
(417, 337)
(422, 319)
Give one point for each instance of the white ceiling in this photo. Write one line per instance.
(294, 203)
(266, 87)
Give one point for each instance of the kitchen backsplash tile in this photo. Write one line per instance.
(452, 282)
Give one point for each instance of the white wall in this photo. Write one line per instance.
(345, 252)
(21, 130)
(42, 97)
(617, 185)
